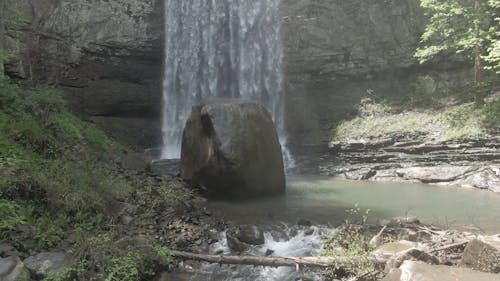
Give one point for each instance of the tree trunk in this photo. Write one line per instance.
(262, 261)
(2, 36)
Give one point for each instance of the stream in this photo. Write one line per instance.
(324, 202)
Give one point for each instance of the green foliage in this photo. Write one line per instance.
(129, 258)
(42, 102)
(81, 186)
(456, 122)
(64, 274)
(49, 232)
(376, 120)
(422, 92)
(350, 245)
(9, 96)
(493, 55)
(11, 214)
(6, 56)
(457, 26)
(491, 115)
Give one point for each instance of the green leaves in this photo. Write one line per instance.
(457, 26)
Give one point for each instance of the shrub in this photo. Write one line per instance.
(49, 231)
(103, 257)
(11, 214)
(9, 96)
(350, 245)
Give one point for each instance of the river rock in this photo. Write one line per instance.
(13, 269)
(482, 255)
(434, 174)
(420, 271)
(411, 254)
(383, 253)
(250, 234)
(232, 149)
(47, 263)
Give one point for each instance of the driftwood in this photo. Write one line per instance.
(451, 246)
(261, 261)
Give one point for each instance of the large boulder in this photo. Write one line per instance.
(232, 149)
(420, 271)
(483, 254)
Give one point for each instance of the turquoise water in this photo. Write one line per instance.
(324, 200)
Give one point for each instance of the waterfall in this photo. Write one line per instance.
(220, 49)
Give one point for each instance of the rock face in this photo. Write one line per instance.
(472, 163)
(232, 149)
(105, 55)
(338, 52)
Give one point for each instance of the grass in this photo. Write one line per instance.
(377, 120)
(58, 177)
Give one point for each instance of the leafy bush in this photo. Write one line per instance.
(350, 245)
(49, 231)
(11, 214)
(491, 113)
(422, 92)
(103, 257)
(9, 96)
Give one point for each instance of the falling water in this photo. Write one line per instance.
(220, 49)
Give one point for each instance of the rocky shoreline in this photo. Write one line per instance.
(472, 163)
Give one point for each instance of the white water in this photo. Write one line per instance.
(290, 242)
(220, 49)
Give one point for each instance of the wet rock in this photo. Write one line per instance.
(269, 252)
(304, 222)
(238, 238)
(361, 174)
(182, 241)
(420, 271)
(434, 174)
(250, 234)
(7, 250)
(309, 231)
(234, 244)
(47, 263)
(13, 269)
(383, 253)
(413, 255)
(232, 149)
(482, 255)
(486, 178)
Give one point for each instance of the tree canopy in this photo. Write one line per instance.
(467, 27)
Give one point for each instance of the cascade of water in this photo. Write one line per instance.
(220, 49)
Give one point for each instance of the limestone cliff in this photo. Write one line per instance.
(337, 52)
(107, 56)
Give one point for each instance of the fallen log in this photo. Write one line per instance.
(261, 261)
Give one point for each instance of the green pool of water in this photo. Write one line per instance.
(325, 200)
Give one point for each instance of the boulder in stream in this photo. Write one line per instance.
(232, 150)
